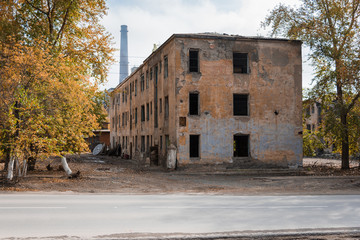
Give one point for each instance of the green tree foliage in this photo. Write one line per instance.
(53, 56)
(331, 29)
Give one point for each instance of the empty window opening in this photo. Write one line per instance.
(142, 83)
(166, 73)
(160, 108)
(136, 143)
(142, 113)
(147, 143)
(147, 112)
(160, 142)
(142, 143)
(240, 62)
(167, 142)
(193, 61)
(241, 145)
(240, 105)
(193, 104)
(166, 107)
(150, 108)
(194, 146)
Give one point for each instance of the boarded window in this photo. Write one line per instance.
(240, 105)
(193, 104)
(194, 146)
(194, 61)
(240, 62)
(182, 121)
(241, 145)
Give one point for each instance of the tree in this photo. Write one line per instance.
(53, 56)
(331, 30)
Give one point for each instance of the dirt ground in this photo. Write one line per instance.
(104, 174)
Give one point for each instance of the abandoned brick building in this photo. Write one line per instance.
(217, 98)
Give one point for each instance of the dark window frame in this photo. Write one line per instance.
(240, 104)
(194, 61)
(166, 67)
(142, 113)
(241, 63)
(194, 145)
(194, 104)
(166, 107)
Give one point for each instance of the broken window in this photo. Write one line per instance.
(194, 104)
(143, 113)
(150, 108)
(160, 142)
(166, 115)
(136, 143)
(142, 143)
(142, 83)
(240, 62)
(241, 145)
(193, 61)
(147, 112)
(166, 73)
(240, 103)
(160, 105)
(167, 142)
(194, 146)
(147, 143)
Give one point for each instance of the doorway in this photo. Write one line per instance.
(241, 145)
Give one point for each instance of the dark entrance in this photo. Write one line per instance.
(194, 146)
(241, 145)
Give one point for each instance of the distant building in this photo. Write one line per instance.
(217, 98)
(101, 136)
(312, 115)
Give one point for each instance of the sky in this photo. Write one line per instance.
(154, 21)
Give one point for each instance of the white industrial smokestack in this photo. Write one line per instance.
(124, 61)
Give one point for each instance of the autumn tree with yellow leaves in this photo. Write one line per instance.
(53, 56)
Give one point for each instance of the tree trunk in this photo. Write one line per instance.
(25, 167)
(18, 167)
(10, 175)
(345, 143)
(66, 166)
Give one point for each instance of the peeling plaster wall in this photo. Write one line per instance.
(134, 129)
(273, 84)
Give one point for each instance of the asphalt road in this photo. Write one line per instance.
(44, 215)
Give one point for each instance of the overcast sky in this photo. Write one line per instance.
(154, 21)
